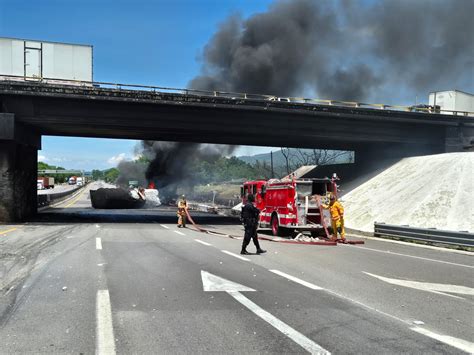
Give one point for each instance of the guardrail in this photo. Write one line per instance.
(47, 199)
(425, 234)
(234, 95)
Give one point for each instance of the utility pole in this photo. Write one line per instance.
(271, 160)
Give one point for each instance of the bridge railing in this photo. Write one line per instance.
(233, 95)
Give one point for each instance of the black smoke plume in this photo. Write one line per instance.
(170, 165)
(345, 50)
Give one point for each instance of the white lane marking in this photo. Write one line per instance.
(166, 227)
(212, 283)
(457, 343)
(291, 333)
(410, 256)
(235, 255)
(297, 280)
(104, 330)
(202, 242)
(98, 243)
(427, 286)
(178, 232)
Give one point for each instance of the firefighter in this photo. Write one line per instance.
(337, 217)
(182, 210)
(249, 217)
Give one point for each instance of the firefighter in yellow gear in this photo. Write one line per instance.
(337, 217)
(182, 209)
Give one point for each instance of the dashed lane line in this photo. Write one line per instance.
(178, 232)
(235, 255)
(104, 329)
(203, 242)
(461, 344)
(411, 256)
(297, 280)
(165, 227)
(457, 343)
(98, 243)
(8, 231)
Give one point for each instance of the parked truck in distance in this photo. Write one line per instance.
(44, 182)
(72, 180)
(80, 181)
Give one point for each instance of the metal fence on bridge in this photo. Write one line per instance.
(233, 95)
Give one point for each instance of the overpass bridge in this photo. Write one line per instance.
(30, 109)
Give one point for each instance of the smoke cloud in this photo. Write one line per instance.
(345, 50)
(384, 51)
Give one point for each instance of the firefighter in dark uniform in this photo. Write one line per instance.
(249, 216)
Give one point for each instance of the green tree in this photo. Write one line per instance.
(111, 175)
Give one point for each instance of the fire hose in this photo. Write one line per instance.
(211, 232)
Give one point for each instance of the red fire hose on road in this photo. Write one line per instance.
(211, 232)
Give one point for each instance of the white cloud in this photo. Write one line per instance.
(116, 159)
(42, 158)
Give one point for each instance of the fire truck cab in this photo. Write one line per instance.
(292, 205)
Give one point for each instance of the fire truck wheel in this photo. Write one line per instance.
(276, 229)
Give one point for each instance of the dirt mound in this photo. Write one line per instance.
(434, 191)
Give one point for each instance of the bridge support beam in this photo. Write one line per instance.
(18, 170)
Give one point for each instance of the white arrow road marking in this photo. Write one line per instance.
(429, 287)
(212, 282)
(454, 342)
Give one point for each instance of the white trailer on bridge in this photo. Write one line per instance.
(22, 59)
(453, 100)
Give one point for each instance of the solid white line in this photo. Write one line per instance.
(297, 280)
(104, 330)
(178, 232)
(235, 255)
(166, 227)
(202, 242)
(98, 243)
(291, 333)
(460, 344)
(410, 256)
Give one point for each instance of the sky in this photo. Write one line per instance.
(136, 42)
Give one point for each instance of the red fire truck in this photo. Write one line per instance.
(292, 205)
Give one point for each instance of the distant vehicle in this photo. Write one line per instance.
(24, 59)
(79, 181)
(453, 100)
(72, 180)
(44, 182)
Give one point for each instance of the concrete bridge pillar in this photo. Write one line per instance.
(18, 169)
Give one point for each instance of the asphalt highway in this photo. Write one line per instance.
(78, 280)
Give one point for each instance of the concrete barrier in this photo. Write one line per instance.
(48, 199)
